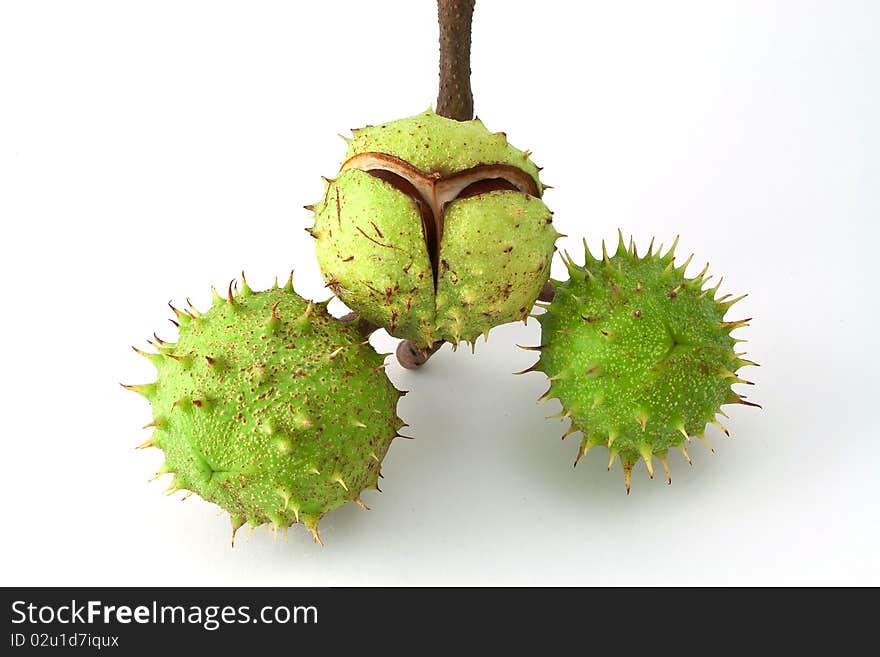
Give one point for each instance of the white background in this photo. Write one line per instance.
(149, 150)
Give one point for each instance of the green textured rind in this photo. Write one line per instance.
(369, 244)
(637, 354)
(494, 259)
(434, 143)
(270, 408)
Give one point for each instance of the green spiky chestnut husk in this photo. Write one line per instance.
(270, 408)
(640, 357)
(434, 229)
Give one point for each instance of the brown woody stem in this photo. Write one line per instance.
(364, 327)
(455, 100)
(547, 293)
(411, 357)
